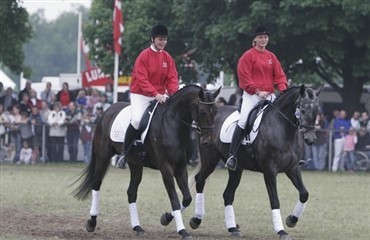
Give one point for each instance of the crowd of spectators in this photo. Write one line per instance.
(58, 118)
(349, 134)
(63, 119)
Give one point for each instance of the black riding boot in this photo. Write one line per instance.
(129, 139)
(235, 142)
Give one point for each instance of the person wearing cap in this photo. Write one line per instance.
(154, 77)
(259, 73)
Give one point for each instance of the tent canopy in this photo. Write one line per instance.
(6, 81)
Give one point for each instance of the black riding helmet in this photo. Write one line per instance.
(159, 30)
(260, 30)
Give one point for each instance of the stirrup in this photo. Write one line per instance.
(231, 163)
(122, 161)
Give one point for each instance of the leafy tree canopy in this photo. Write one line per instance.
(53, 49)
(15, 31)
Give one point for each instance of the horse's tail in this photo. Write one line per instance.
(83, 191)
(191, 179)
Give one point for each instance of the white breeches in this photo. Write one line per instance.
(139, 103)
(249, 101)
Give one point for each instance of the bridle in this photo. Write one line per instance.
(298, 114)
(201, 130)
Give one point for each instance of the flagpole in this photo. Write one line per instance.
(79, 44)
(115, 82)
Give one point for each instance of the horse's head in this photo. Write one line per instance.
(203, 113)
(307, 107)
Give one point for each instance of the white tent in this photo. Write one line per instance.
(6, 81)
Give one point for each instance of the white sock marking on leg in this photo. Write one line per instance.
(298, 209)
(277, 222)
(178, 220)
(133, 215)
(199, 205)
(229, 217)
(94, 210)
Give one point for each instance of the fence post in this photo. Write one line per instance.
(43, 143)
(330, 149)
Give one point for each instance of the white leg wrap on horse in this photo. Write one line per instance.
(229, 217)
(277, 221)
(94, 210)
(133, 215)
(298, 209)
(199, 205)
(178, 220)
(182, 208)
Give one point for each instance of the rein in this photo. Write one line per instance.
(297, 114)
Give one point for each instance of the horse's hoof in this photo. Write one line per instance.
(234, 233)
(285, 237)
(291, 221)
(184, 234)
(89, 226)
(139, 231)
(166, 218)
(194, 222)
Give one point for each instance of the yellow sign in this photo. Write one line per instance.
(124, 80)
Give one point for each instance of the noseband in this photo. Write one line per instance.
(201, 130)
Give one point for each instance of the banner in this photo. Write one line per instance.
(95, 77)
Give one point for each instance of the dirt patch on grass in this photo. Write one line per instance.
(17, 224)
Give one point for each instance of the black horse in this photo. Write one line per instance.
(286, 124)
(167, 148)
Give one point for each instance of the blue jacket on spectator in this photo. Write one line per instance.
(340, 127)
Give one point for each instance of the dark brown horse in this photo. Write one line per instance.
(167, 148)
(286, 124)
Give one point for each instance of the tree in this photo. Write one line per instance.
(53, 48)
(331, 37)
(139, 17)
(15, 31)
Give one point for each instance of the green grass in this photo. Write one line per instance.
(338, 206)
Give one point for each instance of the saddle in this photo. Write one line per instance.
(251, 127)
(143, 129)
(253, 115)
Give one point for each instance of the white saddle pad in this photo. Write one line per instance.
(229, 125)
(121, 123)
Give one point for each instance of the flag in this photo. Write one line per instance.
(117, 27)
(85, 50)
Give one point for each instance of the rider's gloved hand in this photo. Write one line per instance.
(161, 97)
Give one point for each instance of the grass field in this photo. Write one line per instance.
(36, 204)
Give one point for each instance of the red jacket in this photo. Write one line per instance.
(260, 71)
(153, 73)
(37, 103)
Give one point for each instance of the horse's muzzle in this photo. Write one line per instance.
(309, 137)
(206, 139)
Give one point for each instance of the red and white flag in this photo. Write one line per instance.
(85, 50)
(117, 26)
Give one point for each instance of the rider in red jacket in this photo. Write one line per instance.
(154, 77)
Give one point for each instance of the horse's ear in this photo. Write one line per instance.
(215, 94)
(318, 91)
(302, 90)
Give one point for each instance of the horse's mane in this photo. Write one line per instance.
(286, 93)
(291, 95)
(181, 90)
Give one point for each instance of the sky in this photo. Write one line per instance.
(53, 8)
